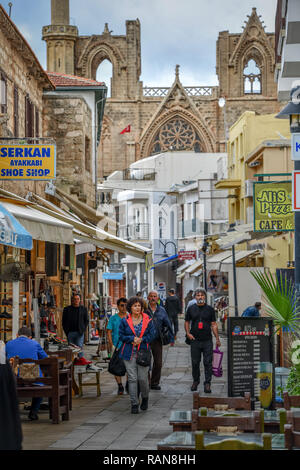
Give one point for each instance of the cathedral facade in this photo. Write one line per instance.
(179, 117)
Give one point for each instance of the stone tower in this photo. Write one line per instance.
(60, 37)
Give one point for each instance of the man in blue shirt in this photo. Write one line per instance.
(252, 311)
(113, 334)
(27, 348)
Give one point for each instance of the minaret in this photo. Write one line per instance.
(60, 37)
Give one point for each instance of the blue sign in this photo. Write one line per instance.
(295, 142)
(12, 233)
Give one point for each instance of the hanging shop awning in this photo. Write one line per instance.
(12, 233)
(214, 261)
(194, 267)
(41, 226)
(164, 261)
(92, 234)
(239, 256)
(113, 276)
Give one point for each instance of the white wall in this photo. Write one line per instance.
(248, 291)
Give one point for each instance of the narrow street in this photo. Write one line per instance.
(106, 422)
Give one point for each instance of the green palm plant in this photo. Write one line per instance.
(281, 302)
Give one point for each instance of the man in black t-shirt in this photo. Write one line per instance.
(74, 322)
(200, 320)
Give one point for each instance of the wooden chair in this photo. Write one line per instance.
(55, 387)
(232, 443)
(291, 437)
(68, 366)
(237, 403)
(293, 418)
(252, 423)
(290, 401)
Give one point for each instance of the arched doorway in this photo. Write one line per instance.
(104, 74)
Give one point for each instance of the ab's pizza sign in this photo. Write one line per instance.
(272, 202)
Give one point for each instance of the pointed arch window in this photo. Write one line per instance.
(252, 78)
(176, 134)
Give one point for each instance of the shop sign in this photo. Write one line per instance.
(27, 162)
(116, 268)
(185, 255)
(251, 359)
(272, 202)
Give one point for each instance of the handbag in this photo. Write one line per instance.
(116, 365)
(29, 371)
(217, 363)
(143, 357)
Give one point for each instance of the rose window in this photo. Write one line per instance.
(176, 134)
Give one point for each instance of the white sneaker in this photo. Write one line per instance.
(93, 368)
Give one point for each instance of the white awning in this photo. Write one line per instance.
(41, 226)
(214, 261)
(239, 256)
(194, 267)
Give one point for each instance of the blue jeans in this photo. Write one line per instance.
(76, 338)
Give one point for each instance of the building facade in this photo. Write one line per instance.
(179, 117)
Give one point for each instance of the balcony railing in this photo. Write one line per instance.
(139, 174)
(190, 90)
(134, 232)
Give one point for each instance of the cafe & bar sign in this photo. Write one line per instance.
(27, 162)
(272, 206)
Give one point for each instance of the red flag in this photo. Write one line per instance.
(127, 129)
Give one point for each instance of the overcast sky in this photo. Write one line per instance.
(172, 31)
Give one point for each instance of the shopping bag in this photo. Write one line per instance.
(116, 365)
(217, 363)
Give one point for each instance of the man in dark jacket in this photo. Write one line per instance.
(173, 308)
(160, 321)
(75, 321)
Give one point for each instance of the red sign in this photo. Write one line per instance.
(182, 255)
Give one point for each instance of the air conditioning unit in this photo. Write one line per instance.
(249, 188)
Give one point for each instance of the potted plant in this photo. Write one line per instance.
(282, 305)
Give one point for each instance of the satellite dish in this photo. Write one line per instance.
(222, 102)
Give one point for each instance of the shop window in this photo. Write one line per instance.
(29, 117)
(87, 154)
(3, 93)
(37, 123)
(16, 112)
(51, 258)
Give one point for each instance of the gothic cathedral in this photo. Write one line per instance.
(179, 117)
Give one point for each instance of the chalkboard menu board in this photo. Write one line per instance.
(251, 358)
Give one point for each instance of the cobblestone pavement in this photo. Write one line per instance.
(105, 422)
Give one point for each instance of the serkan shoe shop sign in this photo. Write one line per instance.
(27, 162)
(272, 203)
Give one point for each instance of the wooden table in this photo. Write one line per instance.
(273, 421)
(186, 440)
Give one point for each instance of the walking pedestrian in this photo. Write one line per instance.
(160, 321)
(173, 308)
(189, 296)
(74, 322)
(136, 332)
(113, 334)
(200, 321)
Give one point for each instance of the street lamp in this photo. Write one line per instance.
(292, 111)
(165, 247)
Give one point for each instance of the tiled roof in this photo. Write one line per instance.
(64, 80)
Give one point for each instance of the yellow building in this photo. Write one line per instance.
(258, 145)
(246, 134)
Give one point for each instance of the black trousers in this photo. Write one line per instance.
(156, 348)
(197, 348)
(174, 322)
